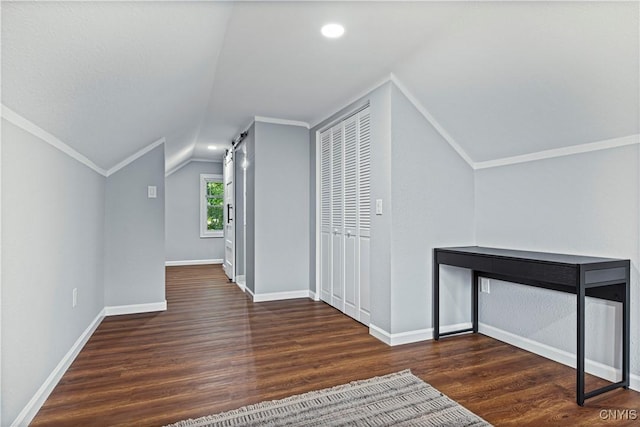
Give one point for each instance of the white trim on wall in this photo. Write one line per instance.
(277, 121)
(31, 409)
(353, 100)
(193, 262)
(204, 178)
(0, 265)
(538, 155)
(277, 296)
(45, 136)
(116, 310)
(569, 359)
(241, 281)
(432, 121)
(135, 156)
(560, 152)
(177, 168)
(198, 159)
(409, 337)
(317, 213)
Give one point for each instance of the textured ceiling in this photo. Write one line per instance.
(503, 79)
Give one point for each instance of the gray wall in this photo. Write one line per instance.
(380, 111)
(134, 233)
(250, 143)
(183, 241)
(281, 208)
(53, 240)
(432, 206)
(582, 204)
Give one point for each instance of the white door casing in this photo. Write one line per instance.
(344, 215)
(229, 230)
(337, 214)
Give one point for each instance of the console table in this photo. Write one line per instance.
(604, 278)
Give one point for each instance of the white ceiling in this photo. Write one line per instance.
(502, 79)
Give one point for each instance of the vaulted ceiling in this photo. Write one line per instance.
(503, 79)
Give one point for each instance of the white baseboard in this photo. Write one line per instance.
(116, 310)
(276, 296)
(634, 382)
(314, 296)
(31, 409)
(411, 336)
(249, 291)
(193, 262)
(241, 282)
(592, 367)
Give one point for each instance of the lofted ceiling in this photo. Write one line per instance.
(502, 79)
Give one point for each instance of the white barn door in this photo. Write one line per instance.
(345, 216)
(229, 229)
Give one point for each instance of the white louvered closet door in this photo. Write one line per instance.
(351, 217)
(345, 215)
(337, 216)
(364, 215)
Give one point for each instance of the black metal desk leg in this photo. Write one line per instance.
(436, 298)
(626, 327)
(580, 346)
(474, 302)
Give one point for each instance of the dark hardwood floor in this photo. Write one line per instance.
(214, 350)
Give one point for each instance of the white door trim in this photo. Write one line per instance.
(318, 208)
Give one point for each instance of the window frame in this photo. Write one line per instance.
(204, 179)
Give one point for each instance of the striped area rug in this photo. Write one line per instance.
(399, 399)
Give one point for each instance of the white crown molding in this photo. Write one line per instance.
(193, 262)
(186, 162)
(37, 131)
(116, 310)
(277, 121)
(135, 156)
(560, 152)
(353, 100)
(31, 409)
(432, 121)
(197, 159)
(177, 168)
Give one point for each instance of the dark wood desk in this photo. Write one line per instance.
(604, 278)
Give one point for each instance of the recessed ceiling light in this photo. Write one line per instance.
(332, 31)
(212, 147)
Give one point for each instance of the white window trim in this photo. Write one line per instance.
(204, 178)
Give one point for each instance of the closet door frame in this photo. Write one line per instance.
(360, 316)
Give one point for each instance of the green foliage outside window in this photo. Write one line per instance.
(215, 205)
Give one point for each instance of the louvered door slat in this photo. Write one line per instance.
(325, 190)
(336, 176)
(350, 175)
(364, 166)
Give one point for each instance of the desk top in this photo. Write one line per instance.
(528, 255)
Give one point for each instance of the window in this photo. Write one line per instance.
(211, 205)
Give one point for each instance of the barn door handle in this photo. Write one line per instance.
(229, 209)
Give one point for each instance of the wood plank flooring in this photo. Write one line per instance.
(214, 350)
